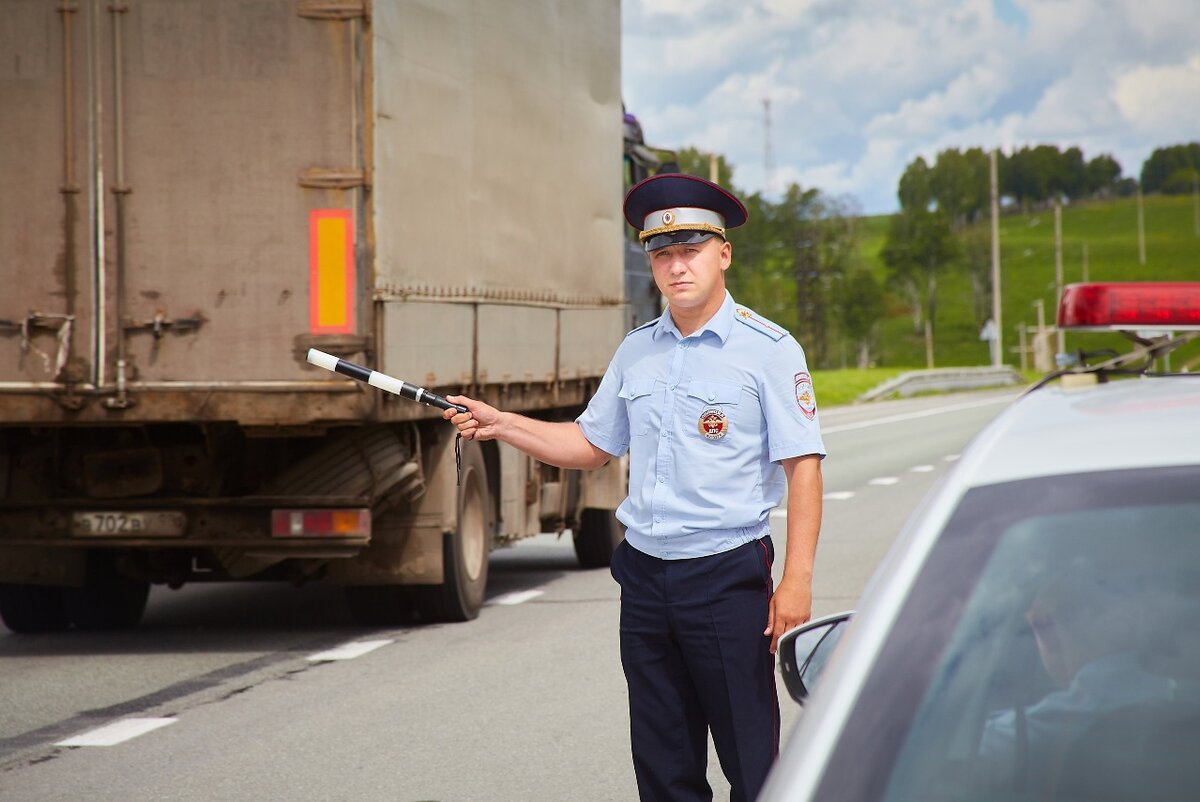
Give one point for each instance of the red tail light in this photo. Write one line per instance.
(1131, 305)
(321, 523)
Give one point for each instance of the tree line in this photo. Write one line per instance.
(1172, 170)
(799, 262)
(958, 184)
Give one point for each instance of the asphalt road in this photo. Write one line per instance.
(525, 703)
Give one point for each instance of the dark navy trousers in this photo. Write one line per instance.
(696, 660)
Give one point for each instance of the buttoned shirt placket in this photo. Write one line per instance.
(664, 462)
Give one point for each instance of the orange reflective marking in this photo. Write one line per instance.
(331, 288)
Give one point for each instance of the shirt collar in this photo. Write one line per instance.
(719, 324)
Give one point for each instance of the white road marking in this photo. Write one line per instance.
(518, 597)
(925, 413)
(838, 495)
(950, 457)
(348, 651)
(921, 469)
(117, 732)
(884, 481)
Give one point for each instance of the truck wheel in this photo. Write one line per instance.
(379, 605)
(33, 608)
(597, 537)
(108, 599)
(464, 551)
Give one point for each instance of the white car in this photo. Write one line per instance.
(1034, 633)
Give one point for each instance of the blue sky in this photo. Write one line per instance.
(858, 88)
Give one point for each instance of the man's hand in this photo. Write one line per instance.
(482, 422)
(791, 606)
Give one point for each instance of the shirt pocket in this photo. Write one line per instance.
(708, 395)
(639, 401)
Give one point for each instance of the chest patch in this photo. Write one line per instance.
(804, 395)
(713, 424)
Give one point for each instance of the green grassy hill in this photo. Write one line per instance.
(1109, 228)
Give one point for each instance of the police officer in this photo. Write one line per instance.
(716, 408)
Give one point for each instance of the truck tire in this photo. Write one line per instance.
(380, 605)
(33, 608)
(597, 537)
(108, 599)
(465, 550)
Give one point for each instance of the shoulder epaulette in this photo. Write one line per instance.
(645, 325)
(759, 324)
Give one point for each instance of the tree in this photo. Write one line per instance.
(694, 161)
(1103, 172)
(1071, 177)
(1164, 162)
(859, 302)
(976, 256)
(959, 184)
(918, 248)
(915, 190)
(1181, 182)
(787, 258)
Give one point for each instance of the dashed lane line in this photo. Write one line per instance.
(349, 651)
(517, 597)
(921, 469)
(884, 481)
(117, 732)
(838, 495)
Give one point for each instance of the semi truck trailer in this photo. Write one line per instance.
(197, 192)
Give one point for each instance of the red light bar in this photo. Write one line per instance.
(1130, 306)
(321, 523)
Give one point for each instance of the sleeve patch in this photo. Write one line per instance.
(804, 395)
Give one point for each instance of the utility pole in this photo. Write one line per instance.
(998, 350)
(1085, 263)
(1058, 271)
(712, 168)
(1022, 348)
(1141, 223)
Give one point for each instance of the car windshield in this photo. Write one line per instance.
(1049, 650)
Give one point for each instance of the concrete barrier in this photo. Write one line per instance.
(940, 380)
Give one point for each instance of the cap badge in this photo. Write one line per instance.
(804, 395)
(713, 424)
(668, 218)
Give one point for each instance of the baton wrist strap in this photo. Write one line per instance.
(458, 456)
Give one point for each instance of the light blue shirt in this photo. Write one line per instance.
(706, 420)
(1100, 687)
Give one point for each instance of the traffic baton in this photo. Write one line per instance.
(389, 384)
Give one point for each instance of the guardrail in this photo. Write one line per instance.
(938, 380)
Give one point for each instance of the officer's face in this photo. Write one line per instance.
(691, 276)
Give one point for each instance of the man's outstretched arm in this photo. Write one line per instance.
(559, 444)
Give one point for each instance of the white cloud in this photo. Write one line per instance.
(859, 87)
(1160, 99)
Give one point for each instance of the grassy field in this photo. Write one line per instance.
(1108, 228)
(837, 387)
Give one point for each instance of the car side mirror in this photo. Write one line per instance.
(804, 651)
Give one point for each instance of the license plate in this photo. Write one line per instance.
(128, 524)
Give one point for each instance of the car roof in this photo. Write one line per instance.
(1150, 421)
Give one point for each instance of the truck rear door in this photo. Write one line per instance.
(190, 204)
(236, 154)
(47, 241)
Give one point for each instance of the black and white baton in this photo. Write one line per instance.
(389, 384)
